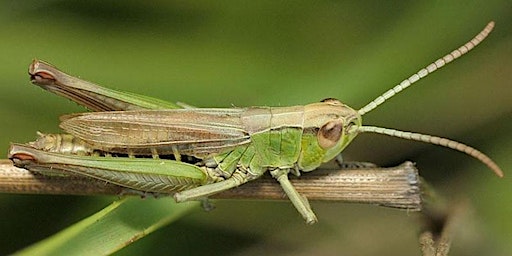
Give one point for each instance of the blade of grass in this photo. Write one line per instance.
(111, 229)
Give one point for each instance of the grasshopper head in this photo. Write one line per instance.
(329, 126)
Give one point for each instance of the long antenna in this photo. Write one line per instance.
(437, 141)
(428, 69)
(424, 137)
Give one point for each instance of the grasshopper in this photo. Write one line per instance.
(224, 148)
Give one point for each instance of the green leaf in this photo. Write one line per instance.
(111, 229)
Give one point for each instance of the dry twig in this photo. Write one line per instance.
(396, 187)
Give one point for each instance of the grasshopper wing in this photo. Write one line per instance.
(195, 132)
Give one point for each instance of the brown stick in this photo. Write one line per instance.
(397, 187)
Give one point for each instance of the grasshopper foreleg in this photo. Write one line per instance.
(300, 202)
(352, 165)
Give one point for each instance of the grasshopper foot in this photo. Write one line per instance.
(356, 165)
(206, 204)
(353, 165)
(142, 194)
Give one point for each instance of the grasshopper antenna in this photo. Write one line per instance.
(424, 137)
(436, 141)
(428, 69)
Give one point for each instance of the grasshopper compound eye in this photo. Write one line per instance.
(329, 134)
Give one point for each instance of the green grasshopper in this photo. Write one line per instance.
(224, 148)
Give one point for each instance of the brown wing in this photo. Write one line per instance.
(190, 131)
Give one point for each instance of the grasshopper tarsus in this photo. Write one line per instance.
(206, 204)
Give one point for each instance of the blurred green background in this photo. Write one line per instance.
(279, 53)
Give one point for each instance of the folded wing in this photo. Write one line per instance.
(193, 132)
